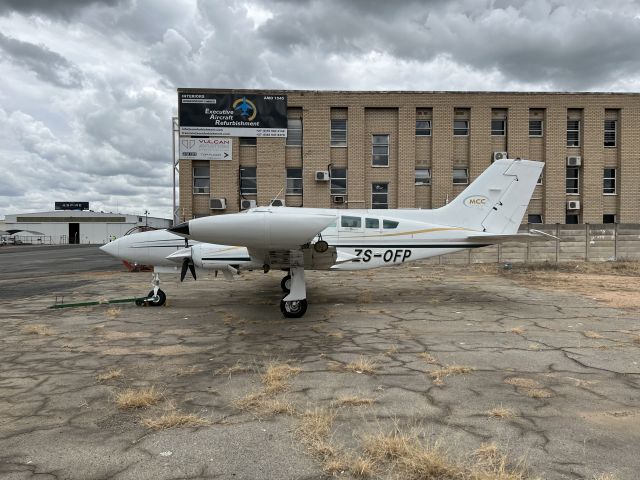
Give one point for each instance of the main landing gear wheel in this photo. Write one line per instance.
(285, 284)
(156, 301)
(294, 308)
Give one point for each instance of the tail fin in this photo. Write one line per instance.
(497, 200)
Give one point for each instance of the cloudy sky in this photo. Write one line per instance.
(88, 88)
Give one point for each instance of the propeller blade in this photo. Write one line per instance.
(183, 271)
(192, 269)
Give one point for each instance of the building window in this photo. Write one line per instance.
(499, 127)
(423, 176)
(460, 176)
(539, 182)
(423, 128)
(534, 218)
(338, 133)
(248, 182)
(461, 127)
(380, 151)
(610, 133)
(572, 219)
(247, 141)
(573, 133)
(573, 180)
(535, 128)
(294, 181)
(609, 218)
(338, 181)
(379, 195)
(201, 179)
(609, 181)
(294, 132)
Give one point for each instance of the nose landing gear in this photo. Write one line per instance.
(156, 297)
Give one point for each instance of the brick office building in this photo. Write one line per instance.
(421, 149)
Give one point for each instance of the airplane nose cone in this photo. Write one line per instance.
(110, 248)
(181, 229)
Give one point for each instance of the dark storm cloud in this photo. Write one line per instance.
(49, 66)
(57, 8)
(570, 45)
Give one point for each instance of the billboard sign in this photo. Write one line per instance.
(205, 148)
(72, 205)
(232, 115)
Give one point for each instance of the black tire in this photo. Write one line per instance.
(293, 309)
(285, 284)
(162, 298)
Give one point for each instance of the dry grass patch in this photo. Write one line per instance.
(538, 392)
(237, 368)
(336, 334)
(491, 464)
(392, 350)
(275, 377)
(130, 399)
(353, 401)
(522, 382)
(605, 476)
(592, 334)
(411, 458)
(439, 375)
(313, 431)
(175, 419)
(501, 412)
(362, 467)
(337, 466)
(518, 330)
(113, 312)
(362, 365)
(427, 357)
(111, 374)
(43, 330)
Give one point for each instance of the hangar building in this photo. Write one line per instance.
(409, 150)
(78, 226)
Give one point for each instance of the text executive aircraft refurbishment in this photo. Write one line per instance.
(488, 211)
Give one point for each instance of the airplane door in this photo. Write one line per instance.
(350, 226)
(74, 233)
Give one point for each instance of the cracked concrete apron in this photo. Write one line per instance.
(565, 368)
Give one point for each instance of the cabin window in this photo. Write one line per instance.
(372, 223)
(387, 224)
(351, 222)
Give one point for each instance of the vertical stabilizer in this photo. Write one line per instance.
(496, 201)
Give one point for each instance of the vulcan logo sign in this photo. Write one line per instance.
(476, 201)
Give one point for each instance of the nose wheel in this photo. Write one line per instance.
(156, 297)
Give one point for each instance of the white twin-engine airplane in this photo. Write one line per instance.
(488, 211)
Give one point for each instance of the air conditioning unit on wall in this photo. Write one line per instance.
(573, 205)
(246, 204)
(499, 156)
(322, 176)
(574, 161)
(338, 198)
(218, 203)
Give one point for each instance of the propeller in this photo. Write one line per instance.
(187, 265)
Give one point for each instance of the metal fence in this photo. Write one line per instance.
(575, 243)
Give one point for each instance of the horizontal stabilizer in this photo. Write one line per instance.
(513, 237)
